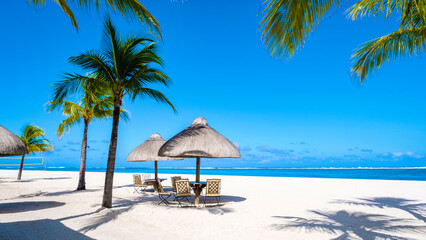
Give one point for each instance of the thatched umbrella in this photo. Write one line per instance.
(10, 144)
(148, 151)
(197, 141)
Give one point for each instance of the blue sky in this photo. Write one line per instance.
(302, 112)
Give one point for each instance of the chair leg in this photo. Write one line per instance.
(218, 200)
(164, 200)
(204, 201)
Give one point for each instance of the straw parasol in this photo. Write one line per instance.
(148, 151)
(10, 144)
(197, 141)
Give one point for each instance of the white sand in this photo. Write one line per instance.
(44, 205)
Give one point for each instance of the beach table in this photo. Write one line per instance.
(153, 182)
(194, 184)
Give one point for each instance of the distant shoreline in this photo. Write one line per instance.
(385, 173)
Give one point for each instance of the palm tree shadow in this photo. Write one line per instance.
(39, 229)
(40, 179)
(352, 225)
(51, 194)
(16, 207)
(413, 207)
(105, 215)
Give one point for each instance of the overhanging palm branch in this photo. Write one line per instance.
(376, 8)
(374, 53)
(287, 23)
(130, 8)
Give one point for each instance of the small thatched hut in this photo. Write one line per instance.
(197, 141)
(148, 151)
(10, 144)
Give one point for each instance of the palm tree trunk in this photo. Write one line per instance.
(109, 176)
(82, 176)
(20, 168)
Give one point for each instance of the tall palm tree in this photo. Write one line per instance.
(95, 104)
(287, 23)
(130, 8)
(124, 67)
(33, 138)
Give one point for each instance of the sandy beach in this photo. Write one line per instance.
(44, 205)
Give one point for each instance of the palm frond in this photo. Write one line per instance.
(129, 8)
(375, 8)
(67, 123)
(70, 84)
(287, 23)
(153, 94)
(373, 54)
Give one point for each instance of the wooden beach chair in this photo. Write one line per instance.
(174, 179)
(183, 191)
(163, 195)
(212, 190)
(138, 184)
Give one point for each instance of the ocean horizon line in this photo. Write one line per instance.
(224, 168)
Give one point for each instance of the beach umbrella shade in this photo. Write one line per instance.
(148, 151)
(199, 141)
(10, 144)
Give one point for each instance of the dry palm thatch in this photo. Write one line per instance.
(148, 150)
(10, 144)
(199, 140)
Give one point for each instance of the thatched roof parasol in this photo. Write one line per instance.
(148, 151)
(197, 141)
(10, 144)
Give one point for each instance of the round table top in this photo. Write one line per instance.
(153, 179)
(201, 182)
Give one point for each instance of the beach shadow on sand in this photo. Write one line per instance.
(120, 205)
(16, 207)
(40, 179)
(104, 215)
(51, 194)
(46, 229)
(413, 207)
(360, 225)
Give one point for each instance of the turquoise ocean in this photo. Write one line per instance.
(418, 173)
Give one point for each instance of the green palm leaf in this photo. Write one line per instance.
(287, 23)
(129, 8)
(374, 53)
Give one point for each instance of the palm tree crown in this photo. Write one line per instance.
(33, 138)
(287, 23)
(96, 103)
(121, 67)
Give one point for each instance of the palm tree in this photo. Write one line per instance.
(131, 8)
(95, 104)
(125, 70)
(33, 138)
(286, 25)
